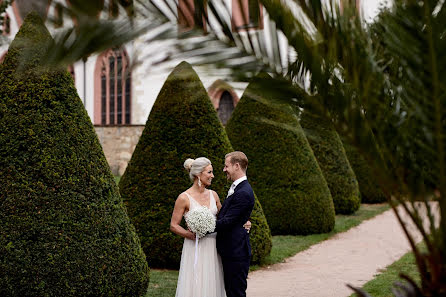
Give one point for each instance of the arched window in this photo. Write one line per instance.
(192, 13)
(223, 98)
(112, 89)
(6, 30)
(246, 15)
(225, 107)
(21, 8)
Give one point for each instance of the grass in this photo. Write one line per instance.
(381, 285)
(163, 282)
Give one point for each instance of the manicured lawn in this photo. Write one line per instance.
(381, 285)
(163, 282)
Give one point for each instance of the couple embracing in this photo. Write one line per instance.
(217, 266)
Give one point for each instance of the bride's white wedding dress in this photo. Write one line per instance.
(206, 278)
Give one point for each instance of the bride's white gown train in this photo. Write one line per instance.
(206, 279)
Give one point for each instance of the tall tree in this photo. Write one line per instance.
(331, 157)
(283, 170)
(65, 230)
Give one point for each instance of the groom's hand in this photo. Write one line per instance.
(247, 226)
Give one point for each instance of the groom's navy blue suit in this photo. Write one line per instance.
(233, 240)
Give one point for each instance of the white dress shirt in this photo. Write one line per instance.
(235, 184)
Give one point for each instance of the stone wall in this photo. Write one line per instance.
(118, 143)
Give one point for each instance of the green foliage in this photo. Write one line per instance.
(260, 234)
(282, 168)
(64, 229)
(369, 187)
(182, 124)
(330, 155)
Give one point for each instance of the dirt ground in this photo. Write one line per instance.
(353, 257)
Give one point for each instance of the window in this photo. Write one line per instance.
(225, 107)
(246, 14)
(113, 9)
(113, 89)
(58, 15)
(6, 30)
(21, 9)
(192, 13)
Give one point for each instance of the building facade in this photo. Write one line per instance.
(119, 86)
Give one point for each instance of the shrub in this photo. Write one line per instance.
(182, 124)
(64, 229)
(369, 187)
(330, 154)
(282, 168)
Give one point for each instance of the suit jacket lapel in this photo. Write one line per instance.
(227, 200)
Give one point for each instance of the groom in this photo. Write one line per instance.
(232, 238)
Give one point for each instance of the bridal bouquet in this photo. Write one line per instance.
(200, 221)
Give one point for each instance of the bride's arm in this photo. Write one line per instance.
(217, 200)
(177, 215)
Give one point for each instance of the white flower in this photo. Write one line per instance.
(200, 221)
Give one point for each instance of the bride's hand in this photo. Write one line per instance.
(190, 235)
(247, 226)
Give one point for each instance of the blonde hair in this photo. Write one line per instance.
(195, 167)
(238, 157)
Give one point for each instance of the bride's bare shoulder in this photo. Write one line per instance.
(183, 196)
(215, 194)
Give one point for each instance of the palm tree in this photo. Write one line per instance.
(381, 85)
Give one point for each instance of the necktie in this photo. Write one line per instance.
(231, 190)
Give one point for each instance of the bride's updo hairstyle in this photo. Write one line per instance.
(195, 167)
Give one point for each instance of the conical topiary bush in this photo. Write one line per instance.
(182, 124)
(330, 154)
(283, 170)
(369, 187)
(64, 229)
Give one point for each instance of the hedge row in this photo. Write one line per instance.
(369, 187)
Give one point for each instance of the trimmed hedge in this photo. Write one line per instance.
(64, 229)
(282, 168)
(182, 124)
(369, 187)
(330, 154)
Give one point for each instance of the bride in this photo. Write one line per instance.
(205, 278)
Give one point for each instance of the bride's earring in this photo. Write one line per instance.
(199, 182)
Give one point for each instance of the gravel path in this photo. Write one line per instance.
(352, 257)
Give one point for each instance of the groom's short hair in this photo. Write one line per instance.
(238, 157)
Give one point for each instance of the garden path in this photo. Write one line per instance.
(353, 257)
